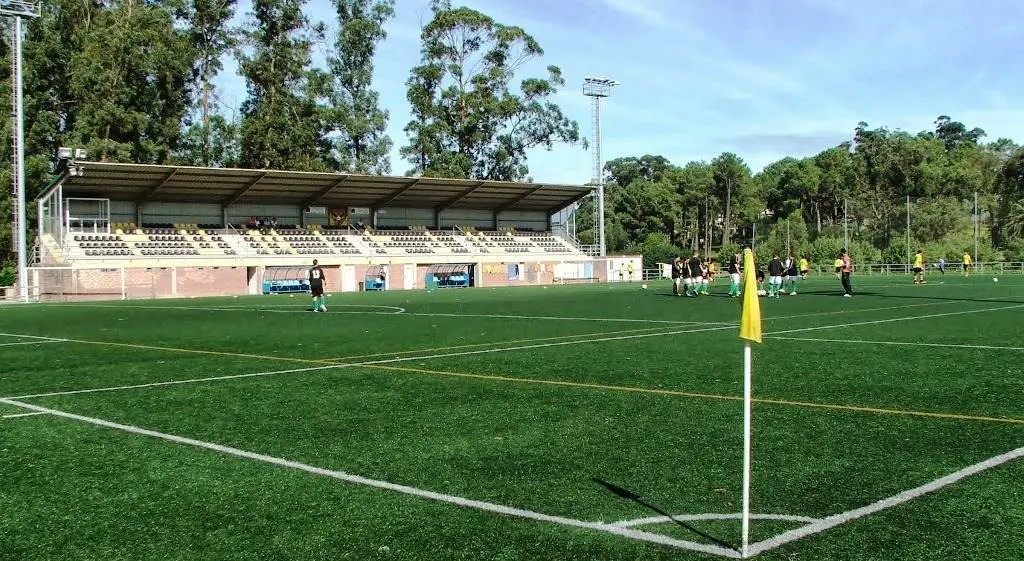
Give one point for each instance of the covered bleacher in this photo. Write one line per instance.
(109, 215)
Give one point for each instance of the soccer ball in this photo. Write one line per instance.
(762, 292)
(643, 287)
(995, 279)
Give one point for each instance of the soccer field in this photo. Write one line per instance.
(496, 423)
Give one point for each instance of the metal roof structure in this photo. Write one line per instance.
(145, 183)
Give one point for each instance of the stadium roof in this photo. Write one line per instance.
(143, 183)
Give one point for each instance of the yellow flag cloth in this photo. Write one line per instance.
(750, 323)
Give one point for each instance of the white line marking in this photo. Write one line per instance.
(379, 484)
(370, 362)
(473, 352)
(842, 518)
(32, 342)
(901, 343)
(298, 309)
(713, 516)
(54, 339)
(17, 415)
(890, 320)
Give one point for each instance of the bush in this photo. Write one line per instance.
(656, 249)
(8, 274)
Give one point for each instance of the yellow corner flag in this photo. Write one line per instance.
(750, 324)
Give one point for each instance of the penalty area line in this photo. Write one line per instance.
(388, 486)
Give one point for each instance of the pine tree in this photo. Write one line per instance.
(354, 111)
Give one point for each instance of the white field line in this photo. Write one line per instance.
(41, 342)
(713, 516)
(300, 310)
(366, 363)
(17, 415)
(890, 320)
(466, 353)
(379, 484)
(844, 517)
(901, 343)
(36, 337)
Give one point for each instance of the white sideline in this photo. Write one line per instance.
(910, 494)
(367, 363)
(17, 415)
(890, 320)
(475, 352)
(41, 342)
(379, 484)
(299, 310)
(901, 343)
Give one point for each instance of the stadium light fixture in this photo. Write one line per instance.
(596, 89)
(19, 10)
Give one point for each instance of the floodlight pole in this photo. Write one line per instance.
(18, 9)
(595, 89)
(977, 227)
(908, 231)
(846, 231)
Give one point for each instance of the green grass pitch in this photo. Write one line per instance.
(475, 424)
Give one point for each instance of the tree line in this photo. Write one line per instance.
(856, 191)
(133, 81)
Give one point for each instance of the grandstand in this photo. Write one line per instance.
(133, 230)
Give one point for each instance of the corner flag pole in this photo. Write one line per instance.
(750, 330)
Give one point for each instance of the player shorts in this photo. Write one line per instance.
(917, 270)
(803, 271)
(838, 269)
(316, 290)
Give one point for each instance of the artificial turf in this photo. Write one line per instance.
(520, 397)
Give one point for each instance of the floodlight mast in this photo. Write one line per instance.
(19, 9)
(596, 89)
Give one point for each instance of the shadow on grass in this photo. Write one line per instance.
(631, 496)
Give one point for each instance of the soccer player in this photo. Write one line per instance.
(967, 264)
(919, 267)
(941, 265)
(677, 275)
(839, 265)
(693, 274)
(775, 270)
(734, 276)
(316, 287)
(793, 272)
(629, 271)
(805, 266)
(846, 270)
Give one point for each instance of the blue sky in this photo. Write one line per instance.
(762, 78)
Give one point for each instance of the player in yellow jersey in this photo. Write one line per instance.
(919, 267)
(805, 266)
(839, 267)
(967, 264)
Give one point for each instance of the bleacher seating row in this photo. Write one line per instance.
(191, 240)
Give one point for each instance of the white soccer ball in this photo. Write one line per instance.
(762, 292)
(995, 279)
(643, 286)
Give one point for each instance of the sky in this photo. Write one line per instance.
(762, 78)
